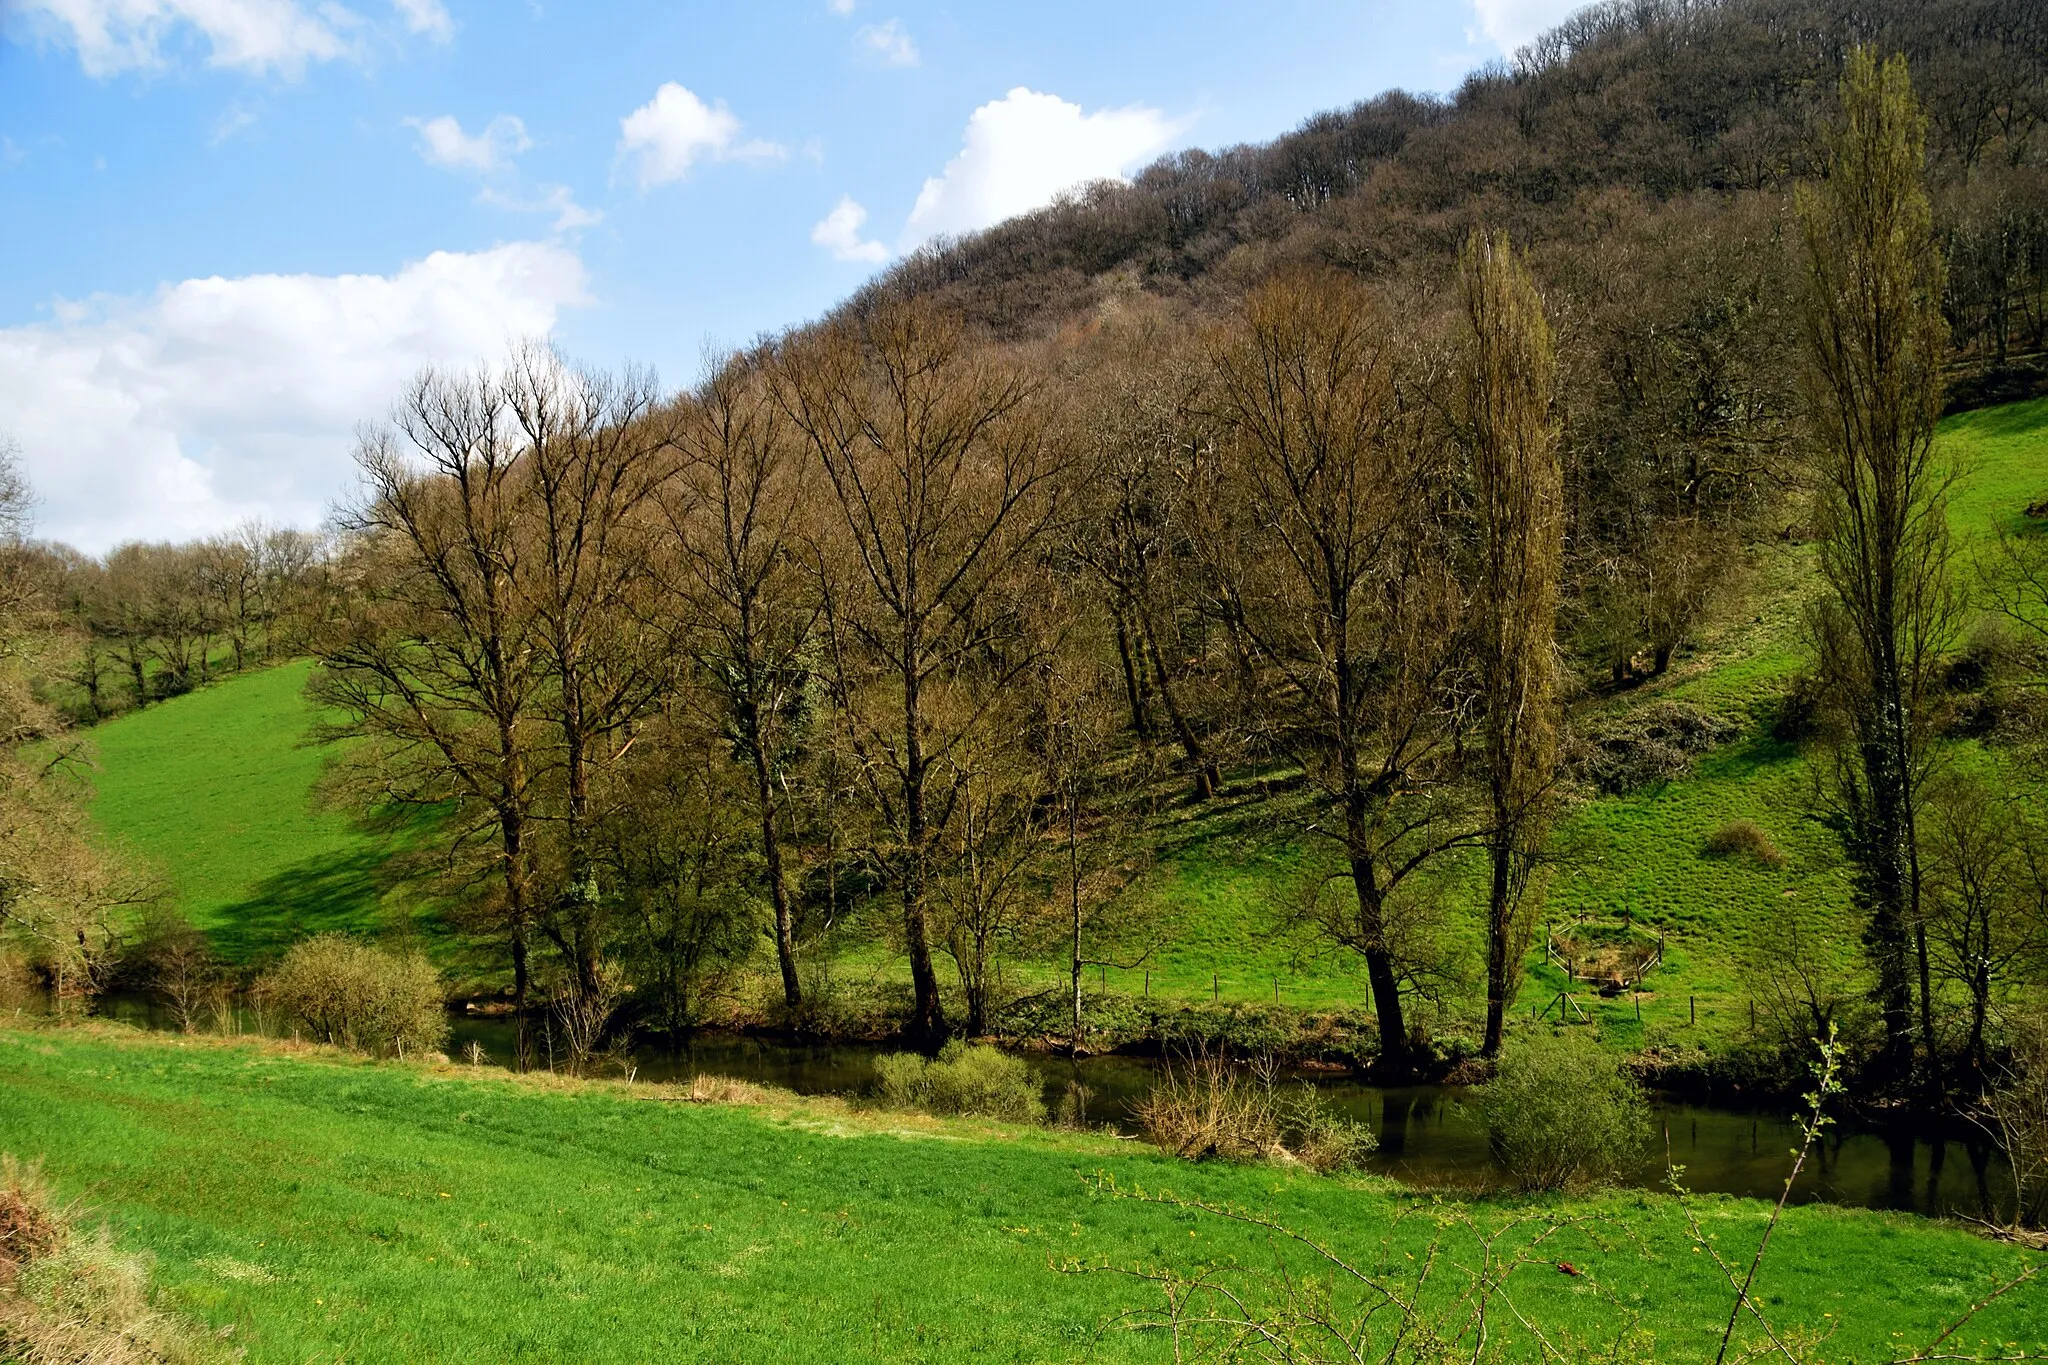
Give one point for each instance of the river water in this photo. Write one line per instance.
(1427, 1138)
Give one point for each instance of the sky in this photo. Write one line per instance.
(231, 230)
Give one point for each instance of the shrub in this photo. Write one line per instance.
(72, 1297)
(1743, 839)
(1321, 1138)
(964, 1079)
(1206, 1106)
(346, 992)
(1562, 1114)
(1656, 744)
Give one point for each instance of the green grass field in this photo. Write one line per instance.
(330, 1209)
(215, 789)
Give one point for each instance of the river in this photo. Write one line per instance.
(1427, 1138)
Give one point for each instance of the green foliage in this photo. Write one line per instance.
(965, 1078)
(1562, 1113)
(344, 991)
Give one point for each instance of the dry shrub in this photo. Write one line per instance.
(74, 1298)
(724, 1090)
(1743, 839)
(2015, 1111)
(346, 992)
(964, 1079)
(1207, 1106)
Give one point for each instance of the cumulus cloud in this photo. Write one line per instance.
(1511, 24)
(216, 400)
(675, 130)
(889, 43)
(839, 233)
(444, 144)
(258, 36)
(429, 18)
(555, 199)
(1022, 150)
(842, 8)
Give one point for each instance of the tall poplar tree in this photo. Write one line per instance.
(1877, 340)
(1510, 402)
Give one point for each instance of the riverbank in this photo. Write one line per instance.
(322, 1206)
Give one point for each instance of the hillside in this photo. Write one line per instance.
(216, 789)
(1626, 110)
(320, 1208)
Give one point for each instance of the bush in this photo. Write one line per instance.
(1207, 1106)
(1656, 744)
(971, 1080)
(346, 992)
(1743, 839)
(1562, 1114)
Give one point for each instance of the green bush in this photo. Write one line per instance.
(963, 1079)
(346, 992)
(1562, 1114)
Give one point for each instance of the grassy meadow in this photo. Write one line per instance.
(216, 790)
(326, 1208)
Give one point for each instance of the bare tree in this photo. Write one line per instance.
(437, 659)
(1343, 583)
(594, 454)
(935, 457)
(750, 620)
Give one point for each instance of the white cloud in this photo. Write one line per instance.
(444, 144)
(891, 43)
(675, 130)
(258, 36)
(427, 17)
(1511, 24)
(839, 233)
(1022, 150)
(842, 8)
(555, 199)
(217, 399)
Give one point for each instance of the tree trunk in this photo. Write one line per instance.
(778, 893)
(1380, 971)
(1500, 910)
(1134, 687)
(928, 1027)
(1207, 779)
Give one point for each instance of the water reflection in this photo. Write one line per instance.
(1426, 1137)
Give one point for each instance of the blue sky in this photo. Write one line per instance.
(234, 227)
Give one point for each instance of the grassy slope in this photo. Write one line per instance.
(335, 1209)
(214, 787)
(214, 791)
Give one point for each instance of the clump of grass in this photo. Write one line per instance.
(724, 1090)
(1743, 839)
(964, 1079)
(349, 993)
(74, 1298)
(1562, 1114)
(1207, 1107)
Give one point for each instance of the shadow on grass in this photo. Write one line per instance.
(337, 893)
(2011, 419)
